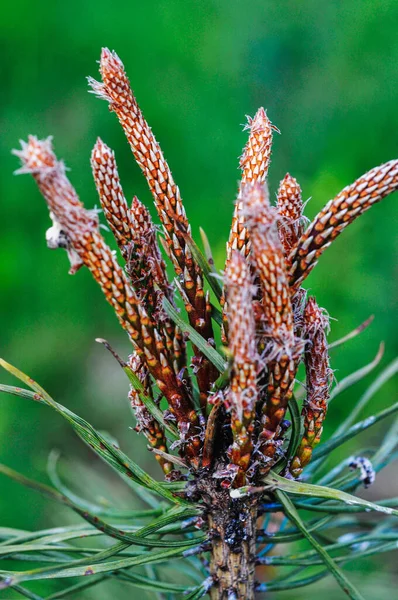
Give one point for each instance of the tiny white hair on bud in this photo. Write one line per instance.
(55, 236)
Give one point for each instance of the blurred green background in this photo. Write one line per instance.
(327, 73)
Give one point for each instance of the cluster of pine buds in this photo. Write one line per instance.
(230, 420)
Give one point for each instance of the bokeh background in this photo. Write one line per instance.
(327, 72)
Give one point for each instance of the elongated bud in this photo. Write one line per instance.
(351, 202)
(290, 227)
(254, 163)
(318, 380)
(240, 290)
(243, 393)
(132, 227)
(282, 350)
(135, 234)
(81, 229)
(110, 193)
(267, 253)
(256, 156)
(115, 88)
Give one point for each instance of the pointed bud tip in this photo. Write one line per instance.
(260, 121)
(100, 149)
(109, 59)
(35, 154)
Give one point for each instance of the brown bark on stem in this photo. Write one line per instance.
(232, 528)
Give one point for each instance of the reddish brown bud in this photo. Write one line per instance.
(254, 163)
(243, 393)
(115, 88)
(318, 378)
(351, 202)
(290, 211)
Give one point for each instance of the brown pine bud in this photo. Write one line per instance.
(115, 88)
(290, 211)
(111, 195)
(254, 164)
(243, 392)
(256, 156)
(282, 348)
(318, 384)
(132, 227)
(136, 237)
(80, 226)
(268, 258)
(290, 228)
(351, 202)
